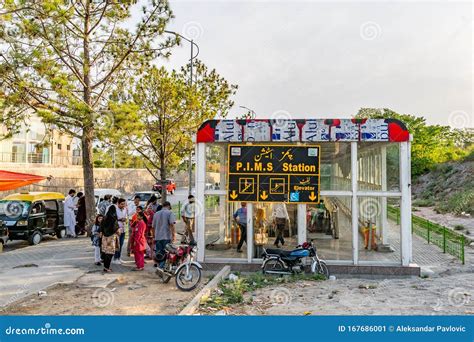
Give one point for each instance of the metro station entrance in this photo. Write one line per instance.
(285, 182)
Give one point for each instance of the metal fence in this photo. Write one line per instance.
(449, 241)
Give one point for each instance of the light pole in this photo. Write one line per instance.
(193, 56)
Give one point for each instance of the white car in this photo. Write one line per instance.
(145, 196)
(100, 193)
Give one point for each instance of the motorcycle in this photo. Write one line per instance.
(278, 261)
(179, 263)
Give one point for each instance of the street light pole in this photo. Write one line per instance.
(190, 168)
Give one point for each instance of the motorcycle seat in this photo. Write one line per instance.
(171, 248)
(279, 252)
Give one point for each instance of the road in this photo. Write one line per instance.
(28, 269)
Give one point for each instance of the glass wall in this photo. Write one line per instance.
(379, 232)
(222, 232)
(275, 226)
(328, 224)
(335, 166)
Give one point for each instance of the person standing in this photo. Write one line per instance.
(240, 217)
(69, 216)
(96, 240)
(138, 240)
(280, 217)
(150, 233)
(131, 211)
(121, 213)
(81, 214)
(187, 214)
(164, 225)
(109, 229)
(105, 204)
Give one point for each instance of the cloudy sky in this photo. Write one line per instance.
(328, 59)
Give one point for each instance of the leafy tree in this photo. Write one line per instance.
(432, 144)
(170, 111)
(62, 60)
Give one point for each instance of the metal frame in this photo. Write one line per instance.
(380, 161)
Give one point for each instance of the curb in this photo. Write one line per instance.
(206, 291)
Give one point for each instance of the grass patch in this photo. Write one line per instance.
(232, 292)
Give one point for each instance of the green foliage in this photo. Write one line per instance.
(65, 60)
(232, 292)
(458, 203)
(432, 144)
(169, 111)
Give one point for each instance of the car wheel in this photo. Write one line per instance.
(35, 238)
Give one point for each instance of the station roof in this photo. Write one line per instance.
(304, 130)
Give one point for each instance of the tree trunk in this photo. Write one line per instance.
(88, 172)
(88, 129)
(163, 180)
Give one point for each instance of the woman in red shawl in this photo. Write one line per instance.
(138, 241)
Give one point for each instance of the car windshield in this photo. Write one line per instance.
(13, 210)
(143, 196)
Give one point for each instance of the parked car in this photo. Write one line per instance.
(170, 186)
(100, 193)
(144, 196)
(3, 235)
(30, 215)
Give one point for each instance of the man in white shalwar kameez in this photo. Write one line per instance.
(69, 216)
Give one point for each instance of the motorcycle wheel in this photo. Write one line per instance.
(194, 278)
(272, 265)
(322, 268)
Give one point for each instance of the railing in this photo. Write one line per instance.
(446, 239)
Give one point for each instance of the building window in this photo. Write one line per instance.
(59, 146)
(68, 147)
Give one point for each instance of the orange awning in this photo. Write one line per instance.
(12, 180)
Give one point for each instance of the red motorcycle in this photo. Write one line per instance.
(179, 263)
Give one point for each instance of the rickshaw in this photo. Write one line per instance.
(31, 215)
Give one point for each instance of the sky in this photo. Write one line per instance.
(316, 59)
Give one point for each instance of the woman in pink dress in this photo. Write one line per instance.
(138, 241)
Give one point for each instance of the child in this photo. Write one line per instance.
(95, 237)
(138, 241)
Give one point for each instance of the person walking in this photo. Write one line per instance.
(109, 229)
(280, 217)
(138, 240)
(81, 214)
(187, 214)
(131, 211)
(69, 216)
(96, 240)
(121, 219)
(240, 217)
(164, 225)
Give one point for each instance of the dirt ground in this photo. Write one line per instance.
(448, 290)
(124, 293)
